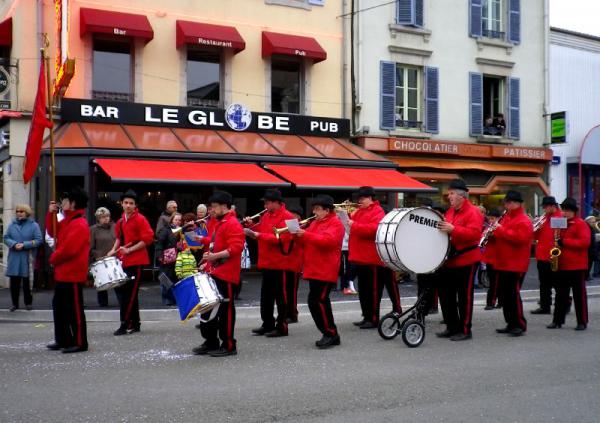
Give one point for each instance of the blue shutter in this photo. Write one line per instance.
(514, 108)
(388, 95)
(419, 13)
(514, 21)
(476, 100)
(405, 12)
(475, 18)
(432, 100)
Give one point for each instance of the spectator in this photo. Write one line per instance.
(593, 259)
(22, 236)
(201, 211)
(165, 217)
(499, 124)
(166, 250)
(102, 239)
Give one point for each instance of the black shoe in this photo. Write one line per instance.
(121, 331)
(204, 349)
(328, 341)
(461, 337)
(554, 326)
(540, 310)
(12, 308)
(222, 352)
(489, 307)
(580, 327)
(498, 305)
(133, 329)
(276, 333)
(359, 323)
(445, 334)
(368, 325)
(291, 320)
(503, 330)
(516, 332)
(28, 307)
(53, 346)
(74, 349)
(198, 326)
(261, 330)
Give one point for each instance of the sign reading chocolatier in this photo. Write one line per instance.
(236, 117)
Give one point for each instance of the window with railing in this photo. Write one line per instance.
(286, 82)
(203, 78)
(492, 19)
(112, 70)
(408, 97)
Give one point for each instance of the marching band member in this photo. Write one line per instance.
(489, 257)
(372, 274)
(222, 260)
(322, 242)
(296, 256)
(513, 235)
(463, 222)
(573, 266)
(70, 260)
(545, 241)
(273, 262)
(133, 234)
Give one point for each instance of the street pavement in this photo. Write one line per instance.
(547, 375)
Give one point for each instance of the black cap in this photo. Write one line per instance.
(549, 201)
(78, 196)
(323, 200)
(272, 194)
(458, 184)
(221, 197)
(494, 213)
(512, 195)
(569, 204)
(296, 210)
(129, 194)
(365, 191)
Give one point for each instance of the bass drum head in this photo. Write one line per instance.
(421, 247)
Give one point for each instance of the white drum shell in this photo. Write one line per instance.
(407, 240)
(108, 273)
(208, 292)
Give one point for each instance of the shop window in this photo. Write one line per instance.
(203, 78)
(286, 82)
(491, 19)
(112, 70)
(408, 97)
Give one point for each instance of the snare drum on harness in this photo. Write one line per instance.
(197, 294)
(108, 273)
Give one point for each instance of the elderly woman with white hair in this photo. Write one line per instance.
(102, 238)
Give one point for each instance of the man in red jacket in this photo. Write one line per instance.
(222, 261)
(573, 267)
(372, 274)
(513, 236)
(274, 262)
(322, 242)
(133, 234)
(464, 223)
(70, 261)
(489, 258)
(296, 256)
(545, 242)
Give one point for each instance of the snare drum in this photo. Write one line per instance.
(196, 294)
(108, 273)
(408, 240)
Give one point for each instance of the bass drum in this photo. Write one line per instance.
(408, 240)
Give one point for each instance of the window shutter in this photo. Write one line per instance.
(514, 21)
(405, 12)
(514, 108)
(388, 95)
(432, 97)
(419, 13)
(476, 99)
(475, 18)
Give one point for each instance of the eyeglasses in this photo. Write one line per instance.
(21, 211)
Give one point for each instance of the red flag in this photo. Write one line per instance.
(39, 122)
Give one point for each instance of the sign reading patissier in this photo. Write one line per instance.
(236, 117)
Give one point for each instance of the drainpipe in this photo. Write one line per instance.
(546, 58)
(352, 71)
(344, 59)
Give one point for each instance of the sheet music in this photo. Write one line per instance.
(293, 225)
(558, 223)
(343, 215)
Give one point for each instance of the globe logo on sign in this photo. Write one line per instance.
(238, 117)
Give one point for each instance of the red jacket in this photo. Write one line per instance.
(135, 229)
(71, 257)
(576, 240)
(269, 251)
(545, 239)
(322, 243)
(229, 235)
(361, 243)
(489, 252)
(468, 224)
(513, 241)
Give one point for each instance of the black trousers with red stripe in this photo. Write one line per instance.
(565, 281)
(70, 328)
(319, 305)
(223, 325)
(510, 294)
(371, 280)
(456, 297)
(493, 290)
(273, 291)
(429, 282)
(292, 279)
(548, 281)
(128, 297)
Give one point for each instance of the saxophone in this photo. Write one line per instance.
(555, 252)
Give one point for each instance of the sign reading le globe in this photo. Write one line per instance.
(238, 117)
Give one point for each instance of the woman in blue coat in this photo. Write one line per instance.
(22, 236)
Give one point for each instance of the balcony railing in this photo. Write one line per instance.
(112, 96)
(409, 124)
(202, 102)
(490, 33)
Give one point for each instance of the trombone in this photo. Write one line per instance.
(278, 231)
(182, 227)
(257, 215)
(347, 205)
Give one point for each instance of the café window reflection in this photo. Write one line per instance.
(286, 80)
(112, 70)
(203, 78)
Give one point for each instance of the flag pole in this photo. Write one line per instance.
(50, 96)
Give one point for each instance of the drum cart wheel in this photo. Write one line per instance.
(389, 326)
(412, 327)
(413, 333)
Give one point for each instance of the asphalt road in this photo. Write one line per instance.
(152, 376)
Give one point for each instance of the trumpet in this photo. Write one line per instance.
(257, 215)
(278, 231)
(182, 227)
(538, 222)
(347, 205)
(487, 233)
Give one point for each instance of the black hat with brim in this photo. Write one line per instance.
(494, 213)
(549, 201)
(221, 197)
(512, 195)
(78, 196)
(129, 194)
(323, 200)
(296, 210)
(458, 184)
(272, 194)
(569, 204)
(365, 191)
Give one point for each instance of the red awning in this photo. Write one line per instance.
(201, 173)
(327, 177)
(203, 34)
(6, 33)
(97, 21)
(292, 45)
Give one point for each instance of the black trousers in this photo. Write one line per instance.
(575, 280)
(223, 325)
(456, 297)
(320, 306)
(371, 280)
(548, 281)
(429, 282)
(15, 289)
(292, 280)
(347, 271)
(273, 291)
(128, 297)
(70, 328)
(510, 294)
(493, 290)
